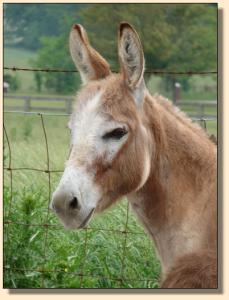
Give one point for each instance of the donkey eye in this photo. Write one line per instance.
(117, 134)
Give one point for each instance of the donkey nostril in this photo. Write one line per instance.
(74, 203)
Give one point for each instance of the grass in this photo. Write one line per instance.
(34, 103)
(201, 88)
(18, 57)
(30, 260)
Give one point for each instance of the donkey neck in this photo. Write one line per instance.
(183, 158)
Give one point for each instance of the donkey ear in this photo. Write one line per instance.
(132, 59)
(89, 62)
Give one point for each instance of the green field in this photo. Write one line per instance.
(17, 57)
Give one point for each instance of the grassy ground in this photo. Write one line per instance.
(17, 57)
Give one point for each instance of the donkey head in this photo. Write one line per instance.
(110, 146)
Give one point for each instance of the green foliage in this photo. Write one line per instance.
(38, 80)
(177, 37)
(55, 54)
(66, 255)
(195, 38)
(174, 37)
(25, 24)
(149, 20)
(21, 246)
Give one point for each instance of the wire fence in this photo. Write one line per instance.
(63, 104)
(46, 225)
(159, 72)
(125, 232)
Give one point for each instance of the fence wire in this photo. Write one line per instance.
(159, 72)
(8, 222)
(46, 225)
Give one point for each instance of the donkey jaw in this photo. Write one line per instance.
(87, 220)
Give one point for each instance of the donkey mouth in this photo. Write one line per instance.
(86, 221)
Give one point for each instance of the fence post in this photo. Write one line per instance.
(201, 111)
(176, 92)
(27, 105)
(68, 106)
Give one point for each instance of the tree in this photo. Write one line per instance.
(55, 54)
(25, 24)
(148, 19)
(178, 37)
(38, 79)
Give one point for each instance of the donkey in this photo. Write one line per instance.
(126, 142)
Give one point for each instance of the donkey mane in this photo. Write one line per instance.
(180, 115)
(171, 127)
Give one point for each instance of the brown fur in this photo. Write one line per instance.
(177, 201)
(193, 271)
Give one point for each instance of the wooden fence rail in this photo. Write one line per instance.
(200, 107)
(27, 103)
(195, 108)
